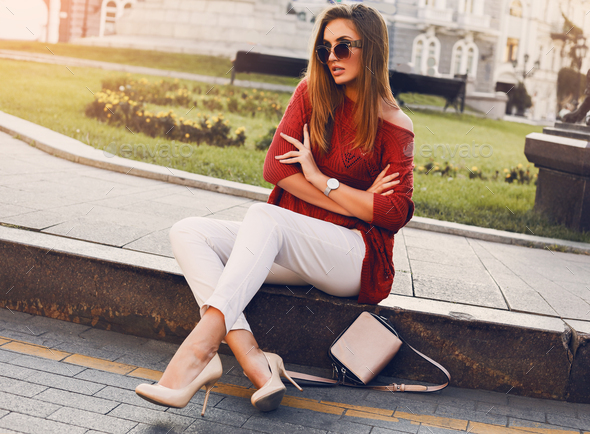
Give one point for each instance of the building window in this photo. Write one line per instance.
(111, 11)
(464, 57)
(458, 58)
(418, 56)
(425, 54)
(469, 61)
(511, 50)
(516, 8)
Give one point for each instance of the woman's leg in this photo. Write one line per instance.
(202, 247)
(323, 254)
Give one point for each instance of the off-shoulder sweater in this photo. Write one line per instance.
(394, 145)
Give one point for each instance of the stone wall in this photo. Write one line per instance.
(236, 24)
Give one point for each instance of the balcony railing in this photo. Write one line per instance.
(470, 20)
(434, 14)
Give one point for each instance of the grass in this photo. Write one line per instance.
(193, 63)
(51, 96)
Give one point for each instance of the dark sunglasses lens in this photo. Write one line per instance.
(323, 54)
(341, 51)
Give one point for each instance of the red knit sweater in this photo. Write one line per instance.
(393, 145)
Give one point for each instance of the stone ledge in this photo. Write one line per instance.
(67, 148)
(146, 295)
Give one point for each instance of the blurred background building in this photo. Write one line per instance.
(497, 43)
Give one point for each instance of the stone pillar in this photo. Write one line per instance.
(562, 154)
(53, 21)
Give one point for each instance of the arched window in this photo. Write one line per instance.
(418, 56)
(458, 58)
(110, 18)
(431, 61)
(464, 56)
(469, 66)
(516, 8)
(111, 11)
(426, 54)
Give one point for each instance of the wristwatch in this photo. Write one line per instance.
(333, 184)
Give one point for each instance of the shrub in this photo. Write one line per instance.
(518, 98)
(117, 109)
(265, 142)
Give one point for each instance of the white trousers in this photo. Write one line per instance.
(226, 262)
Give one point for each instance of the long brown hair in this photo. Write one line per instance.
(372, 81)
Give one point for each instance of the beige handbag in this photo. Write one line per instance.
(362, 350)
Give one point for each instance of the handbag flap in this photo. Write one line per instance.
(366, 347)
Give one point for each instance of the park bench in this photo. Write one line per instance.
(452, 89)
(267, 64)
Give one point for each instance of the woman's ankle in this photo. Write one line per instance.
(184, 367)
(257, 368)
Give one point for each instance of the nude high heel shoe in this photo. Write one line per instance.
(269, 396)
(179, 398)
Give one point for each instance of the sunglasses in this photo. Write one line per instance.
(341, 50)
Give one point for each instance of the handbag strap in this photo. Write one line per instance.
(393, 387)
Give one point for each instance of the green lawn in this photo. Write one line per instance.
(193, 63)
(51, 96)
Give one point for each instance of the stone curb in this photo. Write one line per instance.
(67, 148)
(146, 295)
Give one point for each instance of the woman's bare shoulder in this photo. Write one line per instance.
(397, 117)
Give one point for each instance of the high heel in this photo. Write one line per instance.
(179, 398)
(269, 396)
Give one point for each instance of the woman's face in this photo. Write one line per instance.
(337, 30)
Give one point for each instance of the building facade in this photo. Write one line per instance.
(528, 52)
(497, 43)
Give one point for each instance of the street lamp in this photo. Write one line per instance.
(526, 73)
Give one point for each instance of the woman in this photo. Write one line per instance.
(335, 234)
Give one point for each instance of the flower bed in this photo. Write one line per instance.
(117, 108)
(514, 174)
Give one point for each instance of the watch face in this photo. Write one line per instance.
(333, 183)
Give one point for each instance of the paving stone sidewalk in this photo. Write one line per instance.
(40, 393)
(55, 196)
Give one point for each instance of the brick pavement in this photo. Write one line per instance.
(62, 377)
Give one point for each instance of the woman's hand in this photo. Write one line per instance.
(302, 156)
(383, 182)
